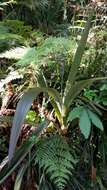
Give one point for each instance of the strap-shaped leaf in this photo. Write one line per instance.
(78, 56)
(21, 111)
(85, 124)
(19, 177)
(21, 153)
(95, 120)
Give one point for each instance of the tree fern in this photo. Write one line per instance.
(54, 156)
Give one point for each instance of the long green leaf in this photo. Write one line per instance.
(78, 56)
(21, 153)
(18, 157)
(21, 111)
(19, 177)
(57, 111)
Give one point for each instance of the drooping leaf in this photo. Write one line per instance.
(75, 113)
(18, 157)
(76, 89)
(21, 153)
(95, 120)
(85, 124)
(22, 109)
(19, 177)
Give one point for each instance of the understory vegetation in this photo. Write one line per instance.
(53, 95)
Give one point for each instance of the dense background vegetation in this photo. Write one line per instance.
(53, 95)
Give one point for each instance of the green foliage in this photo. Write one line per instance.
(21, 153)
(98, 95)
(23, 108)
(14, 33)
(19, 178)
(53, 155)
(86, 117)
(9, 40)
(85, 123)
(32, 4)
(32, 118)
(42, 14)
(55, 158)
(48, 49)
(60, 104)
(103, 95)
(17, 27)
(94, 60)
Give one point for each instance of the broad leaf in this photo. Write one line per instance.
(85, 124)
(75, 113)
(95, 120)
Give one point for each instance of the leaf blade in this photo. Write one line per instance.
(95, 120)
(76, 89)
(85, 124)
(78, 56)
(22, 109)
(19, 177)
(21, 153)
(75, 113)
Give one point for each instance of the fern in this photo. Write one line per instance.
(5, 33)
(51, 46)
(33, 4)
(14, 53)
(10, 77)
(54, 156)
(9, 40)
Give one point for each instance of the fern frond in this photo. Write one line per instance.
(6, 3)
(5, 34)
(55, 157)
(9, 40)
(11, 76)
(33, 4)
(15, 53)
(43, 53)
(9, 36)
